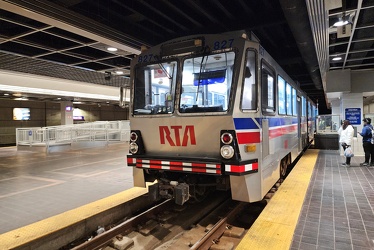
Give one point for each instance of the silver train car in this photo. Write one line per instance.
(214, 112)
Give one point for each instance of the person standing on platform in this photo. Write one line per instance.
(366, 142)
(346, 138)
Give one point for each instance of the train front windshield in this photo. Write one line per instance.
(205, 85)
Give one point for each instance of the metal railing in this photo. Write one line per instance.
(100, 131)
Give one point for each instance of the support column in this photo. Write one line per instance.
(66, 113)
(335, 107)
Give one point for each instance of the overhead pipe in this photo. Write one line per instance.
(296, 15)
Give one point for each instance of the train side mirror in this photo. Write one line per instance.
(247, 72)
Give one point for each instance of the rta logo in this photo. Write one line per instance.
(175, 139)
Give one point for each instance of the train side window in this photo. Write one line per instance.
(281, 96)
(249, 97)
(288, 99)
(268, 90)
(294, 98)
(303, 106)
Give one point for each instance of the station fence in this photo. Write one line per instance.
(99, 131)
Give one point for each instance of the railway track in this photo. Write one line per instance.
(151, 228)
(219, 225)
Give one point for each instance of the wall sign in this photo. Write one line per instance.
(353, 115)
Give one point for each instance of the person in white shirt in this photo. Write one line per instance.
(346, 137)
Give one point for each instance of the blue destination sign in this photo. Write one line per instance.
(353, 115)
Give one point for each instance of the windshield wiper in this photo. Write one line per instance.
(199, 79)
(165, 71)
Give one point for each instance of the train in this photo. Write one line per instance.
(214, 112)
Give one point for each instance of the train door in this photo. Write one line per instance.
(268, 105)
(299, 123)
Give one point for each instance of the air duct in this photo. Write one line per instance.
(296, 15)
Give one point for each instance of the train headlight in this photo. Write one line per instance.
(227, 151)
(133, 148)
(133, 136)
(226, 138)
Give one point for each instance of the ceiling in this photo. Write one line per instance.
(68, 39)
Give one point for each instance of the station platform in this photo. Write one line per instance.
(321, 205)
(37, 185)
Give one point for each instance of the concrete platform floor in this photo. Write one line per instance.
(37, 185)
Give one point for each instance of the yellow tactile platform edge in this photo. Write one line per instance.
(275, 227)
(52, 224)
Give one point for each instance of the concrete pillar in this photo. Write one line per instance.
(335, 107)
(66, 113)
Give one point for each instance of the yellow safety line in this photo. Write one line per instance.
(275, 226)
(52, 224)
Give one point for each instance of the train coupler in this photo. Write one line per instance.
(173, 190)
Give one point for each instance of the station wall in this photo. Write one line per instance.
(43, 114)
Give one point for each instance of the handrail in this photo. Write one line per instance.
(103, 131)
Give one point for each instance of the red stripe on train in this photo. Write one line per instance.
(248, 137)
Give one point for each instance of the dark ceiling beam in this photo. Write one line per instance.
(52, 14)
(69, 3)
(181, 13)
(246, 8)
(269, 24)
(159, 25)
(290, 60)
(296, 14)
(163, 15)
(198, 8)
(130, 21)
(269, 39)
(222, 8)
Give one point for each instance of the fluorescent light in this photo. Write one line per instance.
(338, 58)
(15, 82)
(342, 21)
(56, 92)
(112, 49)
(119, 72)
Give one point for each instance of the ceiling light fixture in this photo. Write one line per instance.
(55, 92)
(119, 72)
(338, 58)
(112, 49)
(341, 22)
(21, 99)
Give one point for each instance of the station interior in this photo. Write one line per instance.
(68, 63)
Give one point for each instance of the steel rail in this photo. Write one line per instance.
(103, 239)
(217, 230)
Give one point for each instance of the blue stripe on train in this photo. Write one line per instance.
(248, 123)
(278, 121)
(245, 123)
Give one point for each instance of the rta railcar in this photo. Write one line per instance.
(214, 112)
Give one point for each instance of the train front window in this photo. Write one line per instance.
(206, 83)
(154, 88)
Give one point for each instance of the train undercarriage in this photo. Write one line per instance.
(184, 187)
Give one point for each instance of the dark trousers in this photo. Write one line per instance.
(368, 151)
(372, 153)
(347, 159)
